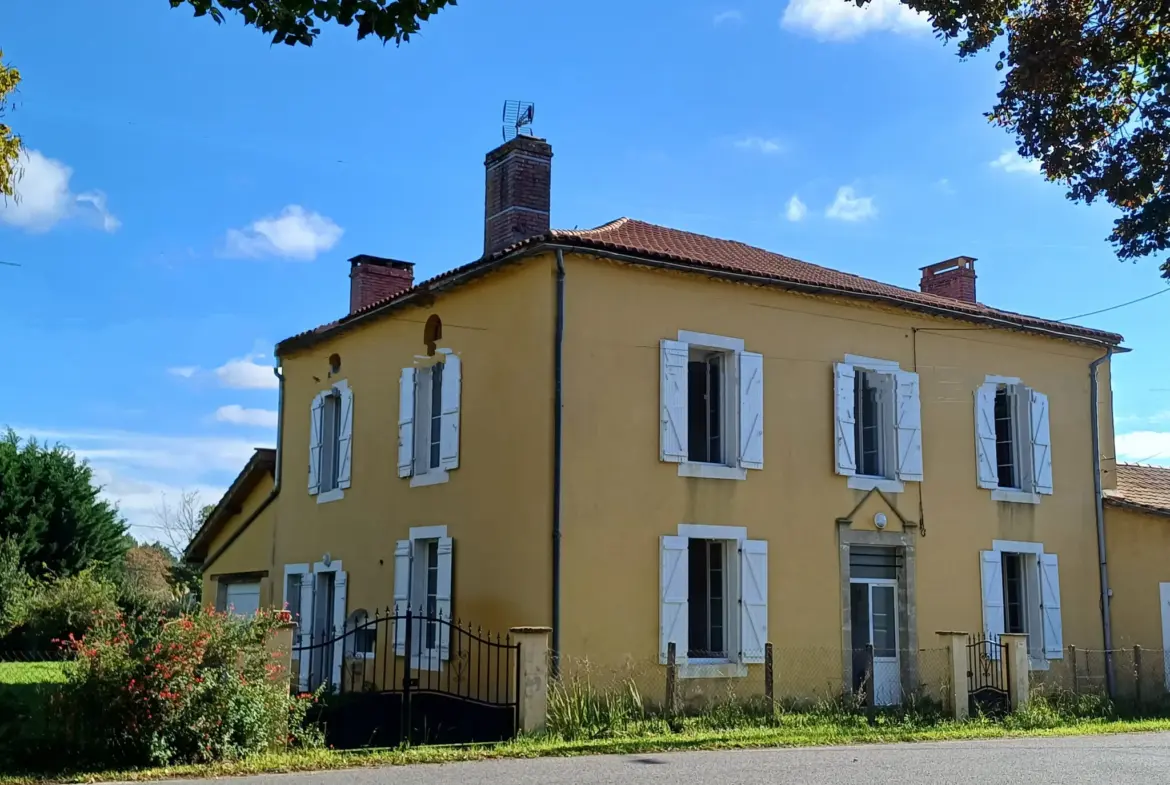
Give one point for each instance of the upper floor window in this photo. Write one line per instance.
(331, 442)
(878, 423)
(712, 398)
(1012, 441)
(428, 420)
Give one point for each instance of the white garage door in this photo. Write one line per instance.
(243, 599)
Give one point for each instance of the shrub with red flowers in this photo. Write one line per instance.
(201, 687)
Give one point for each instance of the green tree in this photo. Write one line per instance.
(50, 508)
(9, 141)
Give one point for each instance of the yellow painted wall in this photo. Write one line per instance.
(251, 551)
(1139, 560)
(496, 505)
(619, 498)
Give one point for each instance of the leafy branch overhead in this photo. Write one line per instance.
(9, 141)
(295, 22)
(1086, 91)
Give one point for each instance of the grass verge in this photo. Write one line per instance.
(31, 673)
(798, 734)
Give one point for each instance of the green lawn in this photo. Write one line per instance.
(12, 673)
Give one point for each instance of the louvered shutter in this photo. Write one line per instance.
(1041, 443)
(340, 603)
(751, 410)
(1050, 606)
(985, 460)
(844, 419)
(673, 439)
(406, 387)
(403, 551)
(753, 593)
(991, 574)
(305, 630)
(908, 425)
(345, 439)
(316, 438)
(449, 426)
(443, 593)
(674, 592)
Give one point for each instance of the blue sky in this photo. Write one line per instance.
(192, 193)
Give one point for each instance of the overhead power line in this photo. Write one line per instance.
(1115, 307)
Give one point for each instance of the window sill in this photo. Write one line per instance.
(433, 477)
(330, 496)
(711, 471)
(1018, 497)
(862, 483)
(711, 669)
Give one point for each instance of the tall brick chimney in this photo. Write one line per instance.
(954, 278)
(519, 187)
(372, 278)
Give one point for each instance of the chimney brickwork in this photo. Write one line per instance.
(954, 278)
(518, 192)
(372, 278)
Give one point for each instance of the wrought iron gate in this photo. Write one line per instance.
(415, 678)
(987, 678)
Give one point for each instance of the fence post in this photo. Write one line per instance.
(671, 680)
(869, 681)
(769, 675)
(956, 643)
(532, 686)
(1137, 676)
(1072, 658)
(1015, 649)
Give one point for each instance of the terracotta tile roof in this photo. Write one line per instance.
(1143, 487)
(655, 243)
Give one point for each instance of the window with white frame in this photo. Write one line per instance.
(423, 567)
(712, 399)
(428, 419)
(714, 599)
(317, 596)
(331, 442)
(362, 635)
(1021, 595)
(1012, 440)
(877, 423)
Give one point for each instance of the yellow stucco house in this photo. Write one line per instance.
(640, 436)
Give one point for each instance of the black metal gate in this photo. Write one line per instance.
(413, 678)
(987, 678)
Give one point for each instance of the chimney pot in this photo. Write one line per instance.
(954, 278)
(372, 279)
(517, 193)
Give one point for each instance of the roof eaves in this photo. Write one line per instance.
(263, 459)
(1129, 504)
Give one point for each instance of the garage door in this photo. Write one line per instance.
(243, 599)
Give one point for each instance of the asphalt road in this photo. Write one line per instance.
(1140, 759)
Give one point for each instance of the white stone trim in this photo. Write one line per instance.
(1015, 496)
(709, 341)
(431, 477)
(427, 532)
(331, 496)
(712, 471)
(712, 669)
(1016, 546)
(872, 363)
(704, 531)
(862, 483)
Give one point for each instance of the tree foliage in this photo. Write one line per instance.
(1086, 90)
(50, 508)
(9, 141)
(295, 22)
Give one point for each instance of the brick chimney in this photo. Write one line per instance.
(372, 278)
(954, 278)
(519, 186)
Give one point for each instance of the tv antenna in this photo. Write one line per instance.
(517, 119)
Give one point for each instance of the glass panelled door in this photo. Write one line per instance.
(874, 615)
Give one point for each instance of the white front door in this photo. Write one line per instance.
(875, 620)
(1164, 590)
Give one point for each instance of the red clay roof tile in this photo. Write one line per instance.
(1141, 486)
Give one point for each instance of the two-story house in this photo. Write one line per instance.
(642, 436)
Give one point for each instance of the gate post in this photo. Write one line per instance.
(532, 687)
(1015, 651)
(959, 699)
(280, 646)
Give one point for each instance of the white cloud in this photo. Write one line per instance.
(731, 15)
(848, 206)
(842, 20)
(1010, 161)
(945, 186)
(184, 372)
(44, 198)
(759, 144)
(1144, 446)
(245, 373)
(796, 210)
(238, 415)
(294, 234)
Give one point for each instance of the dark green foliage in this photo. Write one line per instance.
(50, 509)
(297, 21)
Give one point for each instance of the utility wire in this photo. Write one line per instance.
(1115, 307)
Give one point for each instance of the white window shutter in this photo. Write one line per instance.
(753, 594)
(985, 460)
(345, 438)
(844, 418)
(403, 552)
(1041, 443)
(406, 386)
(991, 573)
(675, 356)
(316, 437)
(674, 591)
(449, 427)
(908, 425)
(443, 592)
(340, 589)
(305, 630)
(1050, 606)
(751, 410)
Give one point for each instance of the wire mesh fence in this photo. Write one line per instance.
(1141, 677)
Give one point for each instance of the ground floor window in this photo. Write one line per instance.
(708, 595)
(238, 594)
(1021, 596)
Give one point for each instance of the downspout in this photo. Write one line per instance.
(277, 371)
(558, 403)
(1098, 496)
